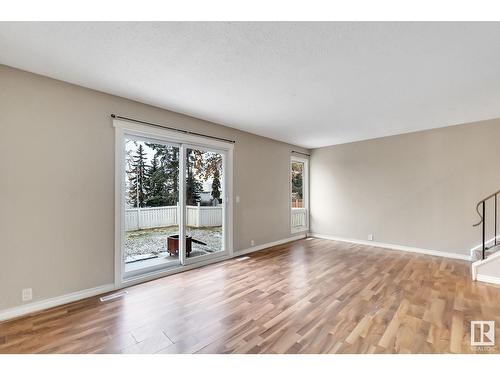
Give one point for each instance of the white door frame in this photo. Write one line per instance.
(305, 193)
(128, 128)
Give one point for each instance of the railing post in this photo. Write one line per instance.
(484, 230)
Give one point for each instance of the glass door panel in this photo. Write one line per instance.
(151, 200)
(299, 202)
(204, 200)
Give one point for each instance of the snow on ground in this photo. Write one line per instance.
(140, 243)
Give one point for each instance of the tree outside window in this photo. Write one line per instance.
(297, 184)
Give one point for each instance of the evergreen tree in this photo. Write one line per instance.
(169, 170)
(137, 178)
(156, 189)
(297, 178)
(193, 185)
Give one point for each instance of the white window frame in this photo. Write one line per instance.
(305, 198)
(128, 128)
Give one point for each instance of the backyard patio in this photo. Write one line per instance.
(150, 243)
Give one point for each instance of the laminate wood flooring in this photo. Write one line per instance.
(307, 296)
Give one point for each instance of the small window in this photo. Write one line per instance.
(299, 195)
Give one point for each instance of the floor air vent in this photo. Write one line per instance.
(109, 297)
(242, 258)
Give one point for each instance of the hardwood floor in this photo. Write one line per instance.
(309, 296)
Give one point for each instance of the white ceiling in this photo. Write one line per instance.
(309, 84)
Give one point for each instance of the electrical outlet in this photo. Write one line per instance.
(370, 237)
(237, 199)
(27, 294)
(252, 243)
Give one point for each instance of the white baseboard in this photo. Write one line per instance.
(269, 244)
(488, 279)
(29, 308)
(393, 247)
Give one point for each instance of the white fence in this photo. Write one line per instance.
(196, 216)
(156, 217)
(299, 217)
(204, 216)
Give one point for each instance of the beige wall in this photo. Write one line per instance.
(417, 189)
(57, 184)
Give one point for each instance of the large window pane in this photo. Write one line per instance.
(204, 203)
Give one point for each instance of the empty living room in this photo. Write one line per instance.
(238, 185)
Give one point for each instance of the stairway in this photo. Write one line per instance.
(477, 253)
(486, 257)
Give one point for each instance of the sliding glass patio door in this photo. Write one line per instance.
(173, 203)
